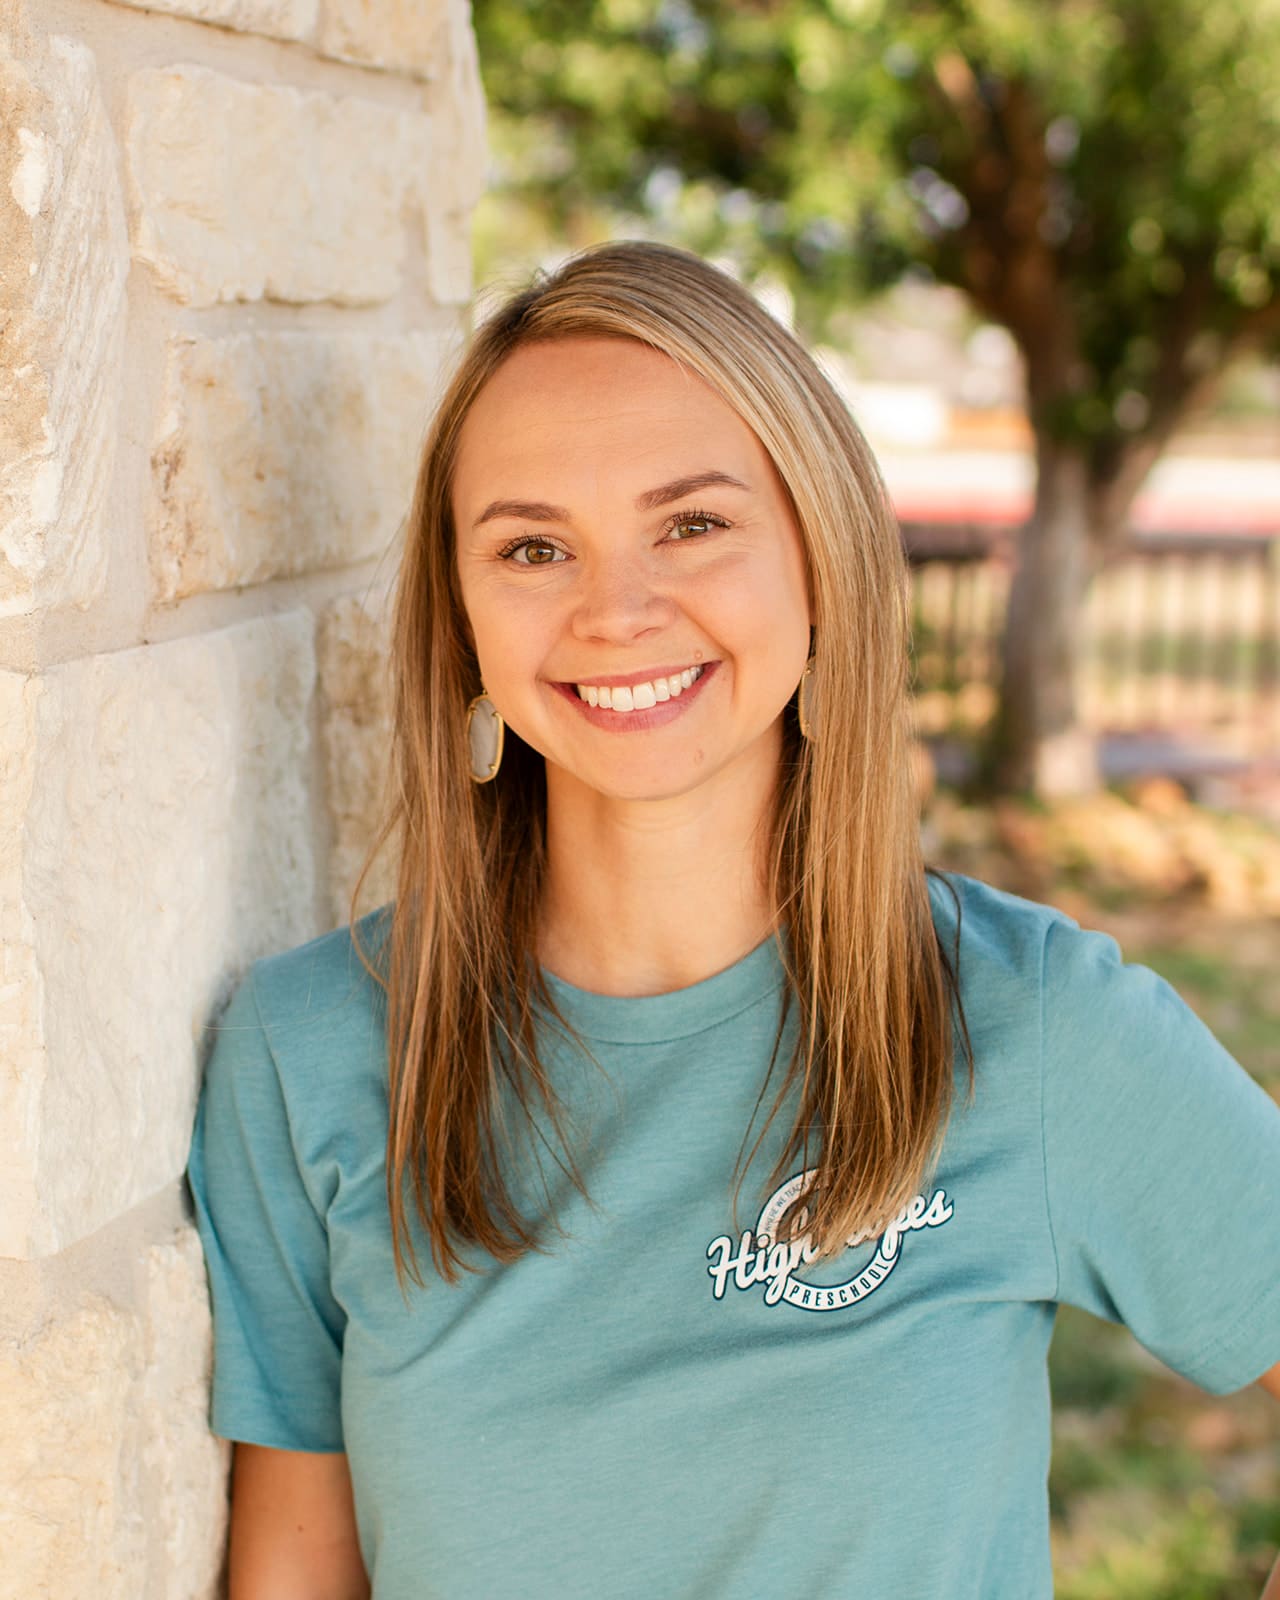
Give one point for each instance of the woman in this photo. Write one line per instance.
(601, 1218)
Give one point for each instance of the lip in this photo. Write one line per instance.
(628, 680)
(637, 721)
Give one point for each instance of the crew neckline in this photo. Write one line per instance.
(657, 1018)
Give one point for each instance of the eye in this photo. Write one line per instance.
(532, 553)
(692, 525)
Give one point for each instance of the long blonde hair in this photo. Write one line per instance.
(874, 992)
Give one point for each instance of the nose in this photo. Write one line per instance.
(619, 601)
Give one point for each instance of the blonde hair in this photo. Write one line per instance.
(873, 991)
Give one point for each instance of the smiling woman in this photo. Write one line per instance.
(632, 608)
(671, 1192)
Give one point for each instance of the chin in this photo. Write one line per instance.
(663, 787)
(623, 786)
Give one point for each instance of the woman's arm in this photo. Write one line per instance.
(1270, 1381)
(293, 1527)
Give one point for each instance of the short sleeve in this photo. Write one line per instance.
(1162, 1163)
(277, 1327)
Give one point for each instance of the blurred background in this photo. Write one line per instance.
(1037, 246)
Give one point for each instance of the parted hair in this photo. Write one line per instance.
(872, 988)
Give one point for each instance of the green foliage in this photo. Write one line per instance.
(1098, 175)
(1090, 1364)
(1180, 1550)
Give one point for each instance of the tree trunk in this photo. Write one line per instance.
(1037, 744)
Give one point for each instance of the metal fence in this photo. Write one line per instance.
(1181, 637)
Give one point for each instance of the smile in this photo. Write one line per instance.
(639, 696)
(641, 705)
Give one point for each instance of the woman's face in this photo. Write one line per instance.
(630, 566)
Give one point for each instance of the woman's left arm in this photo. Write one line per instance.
(1270, 1381)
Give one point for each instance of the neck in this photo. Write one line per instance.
(643, 897)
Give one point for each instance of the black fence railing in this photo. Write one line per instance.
(1181, 636)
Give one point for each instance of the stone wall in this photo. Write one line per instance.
(234, 263)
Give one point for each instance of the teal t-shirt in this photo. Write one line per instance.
(664, 1405)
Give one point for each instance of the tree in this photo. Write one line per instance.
(1100, 177)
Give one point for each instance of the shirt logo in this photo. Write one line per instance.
(760, 1259)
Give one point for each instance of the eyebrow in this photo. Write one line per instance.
(665, 493)
(650, 500)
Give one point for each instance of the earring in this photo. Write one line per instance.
(804, 710)
(485, 732)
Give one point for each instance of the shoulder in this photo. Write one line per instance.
(1017, 957)
(323, 983)
(996, 937)
(1028, 969)
(311, 1017)
(995, 943)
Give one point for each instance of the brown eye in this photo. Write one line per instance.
(693, 525)
(533, 553)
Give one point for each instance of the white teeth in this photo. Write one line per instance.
(639, 696)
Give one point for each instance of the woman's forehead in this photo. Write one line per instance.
(553, 407)
(547, 369)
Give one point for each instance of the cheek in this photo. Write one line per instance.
(798, 582)
(493, 613)
(789, 618)
(513, 639)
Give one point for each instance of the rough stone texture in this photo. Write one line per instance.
(110, 1482)
(63, 264)
(285, 453)
(401, 34)
(243, 191)
(22, 997)
(355, 734)
(166, 840)
(185, 1465)
(278, 19)
(64, 1416)
(458, 176)
(161, 807)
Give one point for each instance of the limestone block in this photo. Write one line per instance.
(285, 453)
(110, 1481)
(355, 735)
(63, 263)
(21, 990)
(67, 1525)
(278, 19)
(247, 191)
(164, 842)
(457, 176)
(401, 34)
(184, 1465)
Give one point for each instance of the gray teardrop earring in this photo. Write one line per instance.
(485, 734)
(804, 699)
